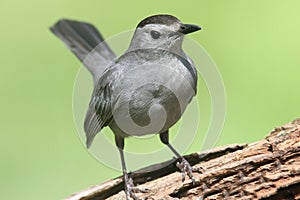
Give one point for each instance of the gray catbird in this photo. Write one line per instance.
(145, 90)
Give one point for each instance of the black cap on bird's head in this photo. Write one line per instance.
(159, 19)
(169, 20)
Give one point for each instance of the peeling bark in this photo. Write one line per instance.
(268, 170)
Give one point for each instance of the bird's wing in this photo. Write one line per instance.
(85, 41)
(99, 113)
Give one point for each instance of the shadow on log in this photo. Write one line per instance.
(268, 169)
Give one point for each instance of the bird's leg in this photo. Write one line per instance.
(184, 165)
(130, 188)
(128, 182)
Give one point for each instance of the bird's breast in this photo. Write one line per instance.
(151, 98)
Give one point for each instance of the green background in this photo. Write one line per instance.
(255, 44)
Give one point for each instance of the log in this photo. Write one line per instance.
(268, 170)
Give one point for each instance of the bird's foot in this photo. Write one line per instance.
(131, 190)
(187, 170)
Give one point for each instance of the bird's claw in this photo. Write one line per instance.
(131, 189)
(198, 169)
(186, 170)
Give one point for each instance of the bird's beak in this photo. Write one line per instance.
(189, 28)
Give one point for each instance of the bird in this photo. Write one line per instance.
(143, 91)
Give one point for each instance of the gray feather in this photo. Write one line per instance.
(99, 113)
(83, 40)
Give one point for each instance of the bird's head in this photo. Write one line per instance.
(161, 32)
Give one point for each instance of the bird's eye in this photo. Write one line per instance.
(155, 34)
(182, 28)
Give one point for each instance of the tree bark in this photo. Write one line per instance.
(268, 170)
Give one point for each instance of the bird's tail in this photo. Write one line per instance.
(82, 39)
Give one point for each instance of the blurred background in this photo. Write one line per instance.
(255, 44)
